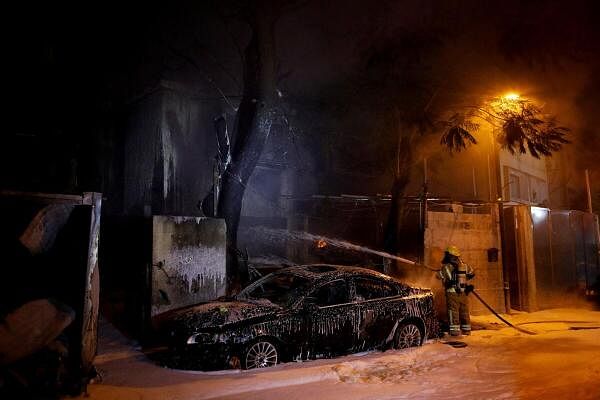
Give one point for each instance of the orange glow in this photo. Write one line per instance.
(321, 243)
(510, 101)
(511, 96)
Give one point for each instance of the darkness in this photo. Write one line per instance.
(73, 70)
(63, 65)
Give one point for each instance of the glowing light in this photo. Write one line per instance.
(539, 213)
(510, 101)
(511, 96)
(321, 243)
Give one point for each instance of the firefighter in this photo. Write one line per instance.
(454, 275)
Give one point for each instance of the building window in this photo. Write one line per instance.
(514, 183)
(524, 188)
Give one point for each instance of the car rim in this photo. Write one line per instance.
(261, 355)
(409, 336)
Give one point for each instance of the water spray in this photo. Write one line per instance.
(324, 241)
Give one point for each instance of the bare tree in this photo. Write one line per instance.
(258, 110)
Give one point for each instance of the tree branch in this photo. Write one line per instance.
(194, 64)
(218, 63)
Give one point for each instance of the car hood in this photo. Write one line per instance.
(420, 291)
(219, 314)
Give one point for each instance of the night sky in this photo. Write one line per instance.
(72, 69)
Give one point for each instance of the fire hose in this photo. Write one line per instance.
(498, 315)
(484, 303)
(323, 241)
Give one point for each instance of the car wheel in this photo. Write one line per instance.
(407, 335)
(261, 354)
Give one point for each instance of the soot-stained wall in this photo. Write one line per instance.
(188, 261)
(169, 149)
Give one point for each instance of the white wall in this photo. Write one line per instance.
(524, 178)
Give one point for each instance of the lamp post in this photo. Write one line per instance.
(501, 224)
(509, 100)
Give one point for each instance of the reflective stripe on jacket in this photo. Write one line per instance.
(455, 277)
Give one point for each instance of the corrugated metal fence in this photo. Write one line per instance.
(559, 263)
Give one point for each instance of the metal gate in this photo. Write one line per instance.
(564, 245)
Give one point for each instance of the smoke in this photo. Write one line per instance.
(477, 51)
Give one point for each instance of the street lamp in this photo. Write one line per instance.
(510, 101)
(511, 96)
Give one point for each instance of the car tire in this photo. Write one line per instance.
(261, 353)
(407, 335)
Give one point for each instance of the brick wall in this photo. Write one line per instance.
(473, 232)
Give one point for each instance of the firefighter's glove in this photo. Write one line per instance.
(469, 289)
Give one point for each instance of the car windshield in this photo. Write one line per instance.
(281, 289)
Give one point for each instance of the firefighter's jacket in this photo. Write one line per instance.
(455, 276)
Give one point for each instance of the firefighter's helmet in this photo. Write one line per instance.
(453, 250)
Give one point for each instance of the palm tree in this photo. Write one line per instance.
(522, 127)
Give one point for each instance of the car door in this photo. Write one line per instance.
(375, 306)
(331, 319)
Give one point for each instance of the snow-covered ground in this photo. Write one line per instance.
(561, 362)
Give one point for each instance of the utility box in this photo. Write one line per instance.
(188, 261)
(492, 254)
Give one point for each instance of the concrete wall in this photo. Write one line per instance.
(188, 261)
(474, 234)
(169, 151)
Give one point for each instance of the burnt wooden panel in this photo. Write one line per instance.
(51, 248)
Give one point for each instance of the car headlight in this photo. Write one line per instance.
(204, 338)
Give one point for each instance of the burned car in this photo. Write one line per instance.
(300, 313)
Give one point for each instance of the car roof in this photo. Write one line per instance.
(328, 272)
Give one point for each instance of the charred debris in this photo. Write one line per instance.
(49, 293)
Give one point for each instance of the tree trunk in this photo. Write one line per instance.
(254, 118)
(398, 200)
